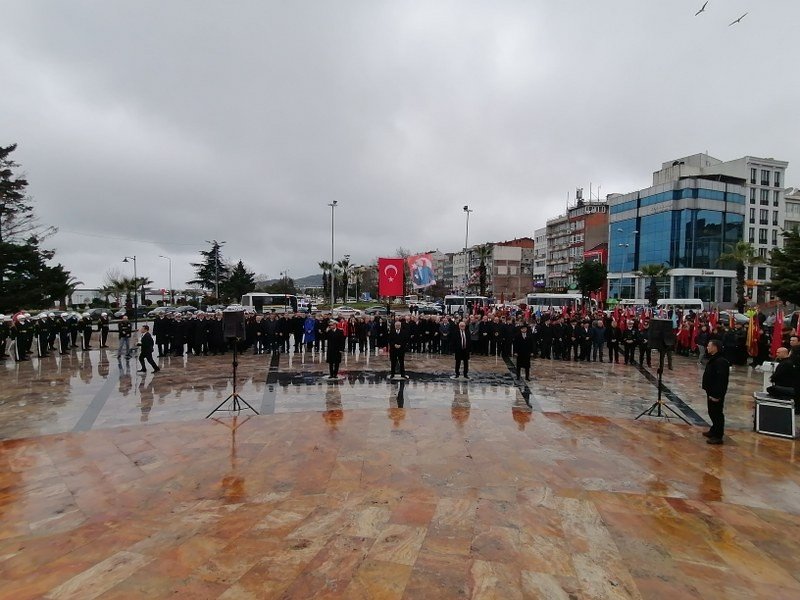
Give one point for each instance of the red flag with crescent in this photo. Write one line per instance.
(390, 277)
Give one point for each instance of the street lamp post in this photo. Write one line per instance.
(467, 210)
(332, 278)
(626, 245)
(171, 292)
(135, 291)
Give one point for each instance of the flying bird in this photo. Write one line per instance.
(703, 9)
(738, 20)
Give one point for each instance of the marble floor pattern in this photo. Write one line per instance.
(114, 485)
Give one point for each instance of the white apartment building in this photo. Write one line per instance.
(540, 257)
(791, 198)
(766, 207)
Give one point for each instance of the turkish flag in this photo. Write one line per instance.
(777, 334)
(390, 277)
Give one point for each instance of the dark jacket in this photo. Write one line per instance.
(398, 339)
(715, 377)
(146, 343)
(455, 341)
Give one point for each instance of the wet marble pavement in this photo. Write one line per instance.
(115, 486)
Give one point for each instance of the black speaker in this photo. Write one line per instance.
(233, 324)
(660, 334)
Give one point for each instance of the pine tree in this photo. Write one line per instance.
(240, 282)
(211, 270)
(785, 263)
(26, 280)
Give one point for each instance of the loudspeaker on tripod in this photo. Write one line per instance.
(233, 324)
(660, 335)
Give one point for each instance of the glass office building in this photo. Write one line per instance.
(684, 224)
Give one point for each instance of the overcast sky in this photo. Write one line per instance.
(147, 128)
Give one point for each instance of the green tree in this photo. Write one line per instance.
(343, 268)
(590, 276)
(240, 282)
(211, 270)
(740, 255)
(326, 277)
(26, 280)
(654, 273)
(785, 263)
(484, 253)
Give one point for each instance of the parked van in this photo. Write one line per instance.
(694, 304)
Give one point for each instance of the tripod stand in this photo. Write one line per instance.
(237, 400)
(660, 403)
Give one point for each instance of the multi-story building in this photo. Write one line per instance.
(508, 268)
(569, 236)
(791, 218)
(685, 224)
(540, 258)
(763, 180)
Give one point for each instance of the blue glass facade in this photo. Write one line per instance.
(689, 238)
(671, 195)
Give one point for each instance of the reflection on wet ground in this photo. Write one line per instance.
(115, 486)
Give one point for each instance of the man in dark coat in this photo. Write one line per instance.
(786, 378)
(336, 341)
(715, 384)
(146, 345)
(398, 345)
(523, 346)
(462, 345)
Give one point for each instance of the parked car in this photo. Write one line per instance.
(738, 318)
(185, 310)
(160, 310)
(430, 309)
(346, 311)
(376, 310)
(94, 313)
(141, 310)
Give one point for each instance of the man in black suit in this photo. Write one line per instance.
(523, 346)
(398, 344)
(335, 339)
(146, 345)
(715, 384)
(460, 341)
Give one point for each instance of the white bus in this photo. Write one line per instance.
(464, 304)
(694, 304)
(544, 301)
(270, 303)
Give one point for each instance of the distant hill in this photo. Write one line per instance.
(300, 283)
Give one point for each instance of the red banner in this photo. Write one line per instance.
(390, 277)
(777, 334)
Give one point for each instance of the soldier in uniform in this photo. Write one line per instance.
(72, 321)
(103, 326)
(86, 331)
(41, 331)
(630, 340)
(4, 333)
(160, 325)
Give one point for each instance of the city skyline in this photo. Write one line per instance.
(151, 132)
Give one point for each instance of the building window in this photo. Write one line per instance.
(764, 177)
(763, 216)
(762, 253)
(752, 236)
(775, 218)
(762, 273)
(776, 198)
(777, 179)
(752, 175)
(774, 237)
(762, 236)
(764, 197)
(752, 215)
(752, 195)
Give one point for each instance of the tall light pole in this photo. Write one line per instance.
(171, 292)
(626, 245)
(332, 278)
(217, 245)
(135, 291)
(467, 210)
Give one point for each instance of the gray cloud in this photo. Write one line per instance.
(181, 122)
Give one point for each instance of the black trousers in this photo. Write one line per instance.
(148, 356)
(462, 358)
(524, 362)
(397, 359)
(716, 412)
(333, 366)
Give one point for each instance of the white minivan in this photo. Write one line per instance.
(694, 304)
